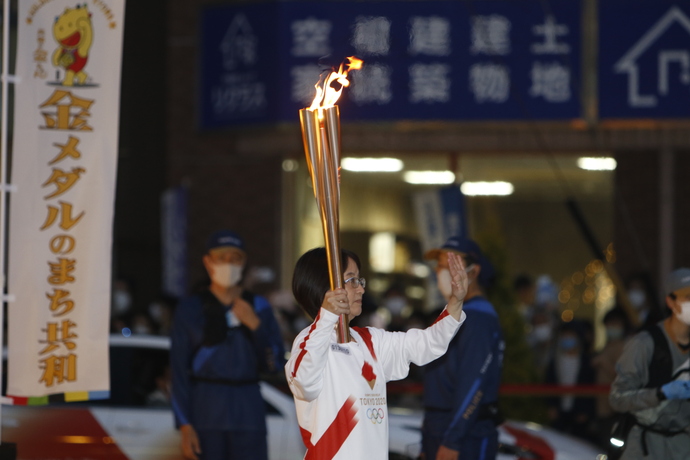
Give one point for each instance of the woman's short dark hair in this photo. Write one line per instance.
(310, 280)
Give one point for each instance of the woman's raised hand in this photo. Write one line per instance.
(458, 283)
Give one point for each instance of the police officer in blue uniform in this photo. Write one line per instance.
(461, 387)
(222, 338)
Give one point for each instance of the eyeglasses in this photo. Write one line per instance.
(357, 282)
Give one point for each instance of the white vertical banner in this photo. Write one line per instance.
(64, 160)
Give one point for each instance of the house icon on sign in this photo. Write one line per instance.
(629, 62)
(239, 45)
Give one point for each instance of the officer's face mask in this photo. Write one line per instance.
(684, 314)
(226, 274)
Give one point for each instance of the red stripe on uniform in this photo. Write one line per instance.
(443, 314)
(303, 345)
(366, 336)
(306, 438)
(335, 435)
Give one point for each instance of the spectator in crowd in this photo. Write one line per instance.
(643, 297)
(546, 294)
(586, 330)
(288, 314)
(617, 328)
(160, 396)
(141, 324)
(540, 338)
(340, 388)
(121, 306)
(571, 366)
(461, 388)
(160, 311)
(396, 306)
(525, 292)
(652, 380)
(222, 338)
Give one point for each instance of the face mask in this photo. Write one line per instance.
(637, 298)
(684, 315)
(468, 270)
(156, 312)
(121, 302)
(542, 332)
(443, 281)
(141, 329)
(395, 304)
(614, 333)
(227, 275)
(568, 343)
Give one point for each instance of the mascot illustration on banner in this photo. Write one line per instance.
(73, 32)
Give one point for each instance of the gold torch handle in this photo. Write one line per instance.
(321, 138)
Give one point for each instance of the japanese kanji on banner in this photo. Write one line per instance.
(64, 159)
(423, 60)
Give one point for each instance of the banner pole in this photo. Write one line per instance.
(3, 171)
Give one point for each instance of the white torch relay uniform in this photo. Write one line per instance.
(340, 388)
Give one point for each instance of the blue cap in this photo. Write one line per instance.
(678, 280)
(469, 248)
(457, 244)
(225, 239)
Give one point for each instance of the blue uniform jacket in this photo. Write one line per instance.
(216, 387)
(458, 383)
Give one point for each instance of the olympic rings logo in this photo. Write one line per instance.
(375, 415)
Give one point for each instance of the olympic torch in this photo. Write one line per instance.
(321, 136)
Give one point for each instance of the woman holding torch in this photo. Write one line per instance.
(340, 388)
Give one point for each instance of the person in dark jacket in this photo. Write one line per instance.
(222, 338)
(461, 387)
(571, 366)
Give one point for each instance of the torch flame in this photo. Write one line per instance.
(326, 95)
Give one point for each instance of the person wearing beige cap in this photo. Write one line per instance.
(653, 382)
(461, 387)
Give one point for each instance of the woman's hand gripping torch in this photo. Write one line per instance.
(321, 136)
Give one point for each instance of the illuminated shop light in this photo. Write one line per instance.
(596, 164)
(497, 188)
(372, 164)
(382, 252)
(429, 177)
(418, 269)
